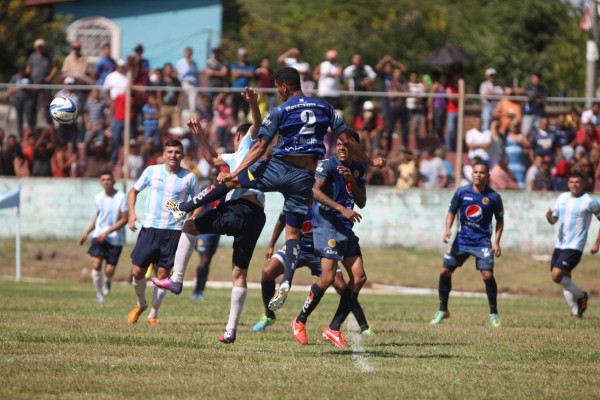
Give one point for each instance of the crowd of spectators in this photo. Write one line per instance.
(411, 121)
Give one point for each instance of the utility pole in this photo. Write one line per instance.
(591, 55)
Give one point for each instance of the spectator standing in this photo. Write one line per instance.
(94, 116)
(478, 141)
(105, 65)
(224, 112)
(438, 105)
(414, 104)
(264, 80)
(501, 178)
(75, 63)
(488, 88)
(361, 78)
(538, 174)
(169, 99)
(407, 170)
(141, 67)
(43, 149)
(42, 69)
(242, 73)
(23, 100)
(385, 68)
(216, 72)
(451, 114)
(507, 112)
(187, 72)
(328, 75)
(151, 115)
(543, 141)
(114, 87)
(397, 109)
(516, 145)
(534, 108)
(433, 173)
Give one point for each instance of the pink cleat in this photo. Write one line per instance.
(167, 283)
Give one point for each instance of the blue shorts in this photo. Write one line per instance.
(305, 260)
(277, 175)
(239, 218)
(105, 251)
(335, 244)
(455, 257)
(566, 259)
(206, 244)
(156, 246)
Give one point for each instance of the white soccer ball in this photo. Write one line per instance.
(63, 110)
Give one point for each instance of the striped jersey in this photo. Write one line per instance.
(575, 215)
(302, 123)
(109, 212)
(235, 159)
(164, 186)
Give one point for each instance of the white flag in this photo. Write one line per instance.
(10, 199)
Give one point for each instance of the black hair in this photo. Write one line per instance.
(106, 172)
(290, 76)
(173, 143)
(353, 134)
(481, 162)
(576, 174)
(243, 128)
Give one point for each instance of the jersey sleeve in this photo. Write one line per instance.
(595, 208)
(229, 159)
(555, 212)
(323, 170)
(270, 125)
(336, 122)
(123, 206)
(143, 180)
(455, 203)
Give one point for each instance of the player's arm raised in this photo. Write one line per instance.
(357, 153)
(252, 98)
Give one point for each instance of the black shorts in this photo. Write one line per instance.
(566, 259)
(157, 246)
(239, 218)
(105, 251)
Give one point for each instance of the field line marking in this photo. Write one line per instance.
(358, 352)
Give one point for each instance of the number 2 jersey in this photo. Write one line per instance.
(476, 211)
(336, 188)
(302, 123)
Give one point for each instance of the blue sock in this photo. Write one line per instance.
(212, 193)
(292, 252)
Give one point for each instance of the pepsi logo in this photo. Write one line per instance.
(474, 213)
(306, 227)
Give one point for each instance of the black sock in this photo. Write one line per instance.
(444, 289)
(268, 290)
(292, 252)
(313, 299)
(359, 314)
(491, 289)
(201, 277)
(347, 301)
(212, 193)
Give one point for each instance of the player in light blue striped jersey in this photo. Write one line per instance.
(574, 209)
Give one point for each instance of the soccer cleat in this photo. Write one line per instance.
(106, 289)
(198, 296)
(153, 321)
(336, 337)
(439, 317)
(149, 271)
(99, 299)
(277, 301)
(582, 304)
(299, 332)
(167, 283)
(173, 207)
(228, 336)
(135, 313)
(368, 332)
(495, 320)
(262, 324)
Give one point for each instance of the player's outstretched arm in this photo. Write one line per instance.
(208, 153)
(252, 98)
(358, 154)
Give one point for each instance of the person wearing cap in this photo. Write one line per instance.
(75, 63)
(105, 65)
(187, 72)
(41, 69)
(328, 75)
(242, 73)
(216, 71)
(488, 88)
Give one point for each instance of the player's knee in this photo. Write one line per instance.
(189, 227)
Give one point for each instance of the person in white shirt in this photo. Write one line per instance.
(478, 141)
(488, 88)
(328, 76)
(433, 173)
(574, 209)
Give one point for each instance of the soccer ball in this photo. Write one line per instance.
(63, 110)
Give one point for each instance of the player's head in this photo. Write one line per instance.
(173, 153)
(480, 174)
(575, 183)
(287, 81)
(240, 132)
(341, 149)
(107, 180)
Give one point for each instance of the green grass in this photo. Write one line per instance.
(56, 342)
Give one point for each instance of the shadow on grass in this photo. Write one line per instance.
(387, 354)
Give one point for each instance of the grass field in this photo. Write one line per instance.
(56, 342)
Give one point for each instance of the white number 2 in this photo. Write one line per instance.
(309, 119)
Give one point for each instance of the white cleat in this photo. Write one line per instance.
(277, 301)
(173, 207)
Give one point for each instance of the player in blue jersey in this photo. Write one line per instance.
(339, 185)
(274, 268)
(477, 204)
(241, 215)
(574, 209)
(160, 231)
(109, 235)
(301, 123)
(206, 247)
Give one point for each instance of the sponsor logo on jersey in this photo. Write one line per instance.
(306, 227)
(356, 173)
(250, 176)
(474, 213)
(331, 243)
(200, 242)
(485, 201)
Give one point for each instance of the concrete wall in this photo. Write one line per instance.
(63, 208)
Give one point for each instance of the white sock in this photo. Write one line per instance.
(97, 280)
(185, 248)
(140, 290)
(569, 285)
(157, 297)
(238, 298)
(570, 301)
